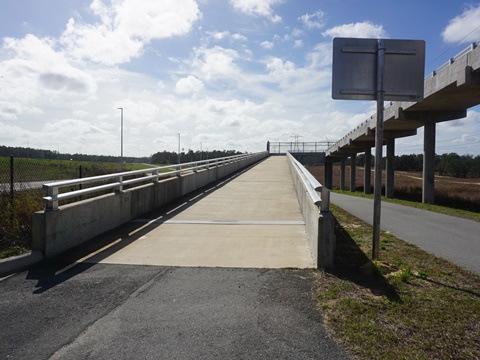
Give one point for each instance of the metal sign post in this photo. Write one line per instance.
(377, 191)
(363, 71)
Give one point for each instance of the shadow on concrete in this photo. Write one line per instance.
(63, 267)
(352, 264)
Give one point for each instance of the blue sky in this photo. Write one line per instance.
(225, 74)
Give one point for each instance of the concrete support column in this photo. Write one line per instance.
(390, 181)
(328, 175)
(428, 193)
(342, 174)
(353, 172)
(367, 174)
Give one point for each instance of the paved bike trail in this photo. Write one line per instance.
(108, 311)
(449, 237)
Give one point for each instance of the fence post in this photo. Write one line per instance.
(12, 188)
(80, 175)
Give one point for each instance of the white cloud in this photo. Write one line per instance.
(298, 44)
(126, 26)
(462, 28)
(223, 35)
(37, 76)
(313, 21)
(216, 62)
(267, 44)
(188, 85)
(356, 30)
(261, 8)
(239, 37)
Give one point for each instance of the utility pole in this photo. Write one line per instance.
(179, 148)
(121, 135)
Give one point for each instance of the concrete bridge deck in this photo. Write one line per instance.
(252, 220)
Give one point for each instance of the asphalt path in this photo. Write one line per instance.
(104, 311)
(449, 237)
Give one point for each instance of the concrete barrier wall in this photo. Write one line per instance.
(319, 224)
(57, 231)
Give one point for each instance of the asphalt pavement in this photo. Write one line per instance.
(105, 311)
(449, 237)
(193, 281)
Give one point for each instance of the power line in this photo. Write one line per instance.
(455, 45)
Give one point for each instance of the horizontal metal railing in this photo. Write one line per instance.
(283, 147)
(450, 61)
(116, 181)
(314, 189)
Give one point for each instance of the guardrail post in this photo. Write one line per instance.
(51, 193)
(155, 173)
(119, 188)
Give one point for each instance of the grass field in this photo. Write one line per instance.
(409, 304)
(450, 192)
(46, 170)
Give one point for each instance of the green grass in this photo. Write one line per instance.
(45, 169)
(435, 208)
(407, 305)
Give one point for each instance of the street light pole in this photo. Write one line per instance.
(179, 148)
(121, 135)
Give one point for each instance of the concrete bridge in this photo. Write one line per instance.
(260, 212)
(449, 92)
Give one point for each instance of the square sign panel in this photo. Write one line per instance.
(355, 69)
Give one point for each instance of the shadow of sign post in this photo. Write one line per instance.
(378, 69)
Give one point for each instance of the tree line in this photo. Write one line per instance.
(164, 157)
(22, 152)
(452, 164)
(169, 157)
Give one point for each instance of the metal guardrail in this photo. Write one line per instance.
(314, 189)
(450, 61)
(282, 147)
(116, 181)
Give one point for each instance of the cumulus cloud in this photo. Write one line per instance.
(37, 73)
(356, 30)
(298, 44)
(188, 85)
(126, 26)
(267, 44)
(216, 62)
(462, 28)
(314, 20)
(224, 35)
(261, 8)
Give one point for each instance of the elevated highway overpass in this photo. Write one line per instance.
(448, 92)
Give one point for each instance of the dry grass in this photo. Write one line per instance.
(449, 191)
(408, 305)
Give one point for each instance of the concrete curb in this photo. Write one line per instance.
(21, 262)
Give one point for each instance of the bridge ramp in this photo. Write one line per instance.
(252, 220)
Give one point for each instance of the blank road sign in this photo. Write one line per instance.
(355, 69)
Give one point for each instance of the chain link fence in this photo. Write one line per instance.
(21, 194)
